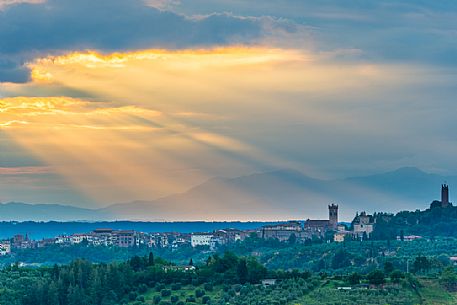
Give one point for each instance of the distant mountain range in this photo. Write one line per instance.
(275, 195)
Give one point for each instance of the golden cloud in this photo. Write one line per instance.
(177, 118)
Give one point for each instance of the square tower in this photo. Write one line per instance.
(333, 215)
(444, 195)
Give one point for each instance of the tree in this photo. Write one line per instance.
(449, 279)
(388, 267)
(396, 276)
(151, 259)
(376, 277)
(191, 262)
(354, 278)
(242, 271)
(340, 259)
(402, 235)
(135, 263)
(421, 264)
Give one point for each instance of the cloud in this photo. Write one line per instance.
(68, 113)
(5, 3)
(386, 31)
(56, 26)
(25, 170)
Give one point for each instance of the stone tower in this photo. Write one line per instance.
(444, 195)
(333, 215)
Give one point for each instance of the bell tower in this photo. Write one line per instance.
(333, 215)
(444, 195)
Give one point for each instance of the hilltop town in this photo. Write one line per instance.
(361, 228)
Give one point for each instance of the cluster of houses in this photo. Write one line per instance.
(128, 238)
(300, 231)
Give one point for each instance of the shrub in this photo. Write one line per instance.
(140, 298)
(205, 299)
(165, 292)
(142, 288)
(190, 299)
(159, 287)
(132, 295)
(175, 286)
(208, 287)
(156, 299)
(376, 277)
(174, 298)
(199, 293)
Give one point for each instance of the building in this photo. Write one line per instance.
(340, 236)
(79, 238)
(45, 242)
(363, 225)
(20, 241)
(125, 238)
(5, 248)
(444, 195)
(63, 239)
(311, 227)
(444, 203)
(409, 237)
(282, 231)
(318, 227)
(200, 239)
(103, 237)
(333, 215)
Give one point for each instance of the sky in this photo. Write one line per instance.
(112, 101)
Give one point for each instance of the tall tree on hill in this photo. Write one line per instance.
(242, 271)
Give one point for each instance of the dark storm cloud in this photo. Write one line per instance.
(28, 30)
(13, 71)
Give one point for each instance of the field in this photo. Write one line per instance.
(300, 292)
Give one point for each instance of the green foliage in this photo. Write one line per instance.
(421, 265)
(396, 276)
(435, 221)
(165, 292)
(354, 278)
(376, 277)
(341, 259)
(449, 279)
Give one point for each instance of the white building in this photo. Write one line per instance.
(340, 236)
(63, 239)
(409, 237)
(363, 224)
(201, 239)
(79, 238)
(5, 248)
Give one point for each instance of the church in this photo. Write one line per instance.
(310, 228)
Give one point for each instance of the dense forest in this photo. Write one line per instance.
(432, 222)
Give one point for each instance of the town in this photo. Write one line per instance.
(297, 230)
(361, 228)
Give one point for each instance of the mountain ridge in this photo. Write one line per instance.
(272, 195)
